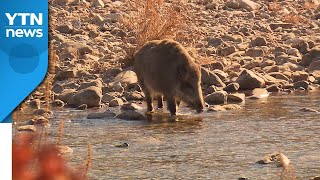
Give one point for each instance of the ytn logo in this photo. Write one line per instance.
(24, 25)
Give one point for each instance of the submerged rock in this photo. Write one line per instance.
(309, 110)
(101, 115)
(131, 115)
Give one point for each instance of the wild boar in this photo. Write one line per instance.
(165, 68)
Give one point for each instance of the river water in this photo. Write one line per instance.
(216, 145)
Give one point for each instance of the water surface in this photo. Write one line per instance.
(223, 145)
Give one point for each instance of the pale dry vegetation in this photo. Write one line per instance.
(154, 20)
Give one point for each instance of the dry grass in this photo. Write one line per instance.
(43, 162)
(294, 19)
(153, 20)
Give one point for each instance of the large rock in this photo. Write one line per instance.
(90, 96)
(219, 97)
(66, 95)
(208, 77)
(127, 77)
(258, 93)
(248, 80)
(116, 102)
(300, 76)
(249, 5)
(314, 66)
(236, 98)
(314, 54)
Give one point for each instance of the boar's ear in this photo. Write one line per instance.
(182, 72)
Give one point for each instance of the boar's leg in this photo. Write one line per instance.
(178, 102)
(149, 101)
(160, 102)
(171, 102)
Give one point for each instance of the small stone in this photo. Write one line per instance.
(226, 51)
(82, 107)
(232, 87)
(131, 115)
(35, 104)
(232, 107)
(29, 128)
(309, 110)
(273, 88)
(219, 97)
(236, 98)
(216, 108)
(133, 96)
(131, 106)
(116, 102)
(122, 145)
(126, 77)
(301, 84)
(64, 149)
(57, 103)
(258, 93)
(255, 52)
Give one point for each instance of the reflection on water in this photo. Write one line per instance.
(223, 145)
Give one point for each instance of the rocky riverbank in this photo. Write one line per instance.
(250, 49)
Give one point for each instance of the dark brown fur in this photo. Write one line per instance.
(164, 68)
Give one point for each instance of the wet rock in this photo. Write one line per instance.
(216, 108)
(236, 98)
(101, 115)
(315, 177)
(57, 103)
(126, 77)
(273, 88)
(279, 75)
(131, 106)
(130, 115)
(259, 41)
(279, 158)
(117, 87)
(28, 128)
(133, 96)
(309, 110)
(248, 80)
(243, 178)
(301, 84)
(116, 102)
(82, 107)
(208, 77)
(64, 149)
(219, 97)
(122, 145)
(232, 87)
(258, 93)
(90, 96)
(232, 107)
